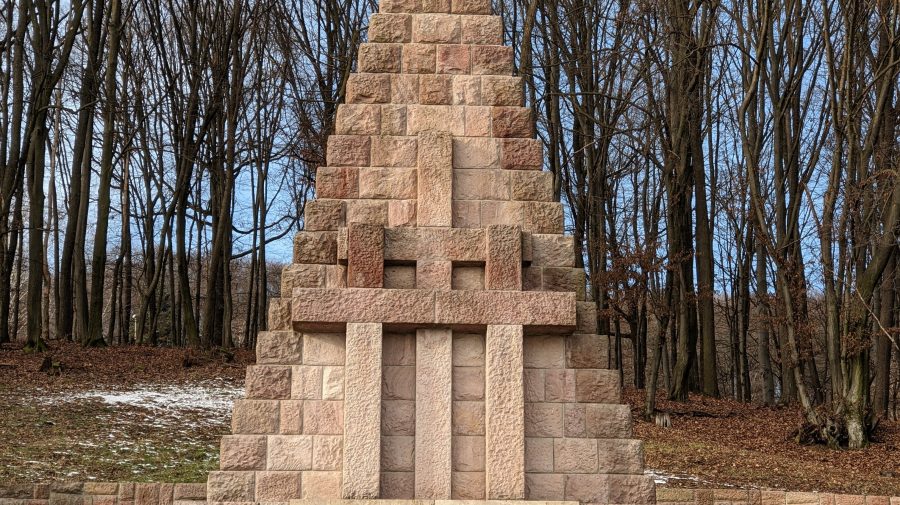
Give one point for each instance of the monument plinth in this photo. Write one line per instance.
(432, 341)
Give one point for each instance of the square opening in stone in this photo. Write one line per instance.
(401, 276)
(467, 277)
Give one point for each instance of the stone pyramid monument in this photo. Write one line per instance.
(432, 340)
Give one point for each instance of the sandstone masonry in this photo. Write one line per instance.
(432, 341)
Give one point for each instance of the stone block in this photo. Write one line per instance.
(552, 250)
(466, 214)
(534, 384)
(417, 59)
(622, 456)
(436, 6)
(504, 421)
(251, 417)
(468, 454)
(368, 88)
(466, 91)
(508, 122)
(126, 490)
(503, 268)
(146, 493)
(521, 154)
(333, 383)
(337, 182)
(468, 383)
(399, 349)
(453, 59)
(401, 6)
(480, 184)
(467, 486)
(358, 119)
(468, 418)
(327, 452)
(798, 498)
(531, 185)
(289, 452)
(433, 390)
(398, 485)
(400, 277)
(277, 486)
(405, 90)
(432, 274)
(467, 278)
(398, 382)
(398, 417)
(384, 27)
(586, 313)
(597, 386)
(435, 118)
(393, 120)
(302, 275)
(587, 351)
(94, 488)
(278, 317)
(348, 151)
(564, 279)
(849, 499)
(468, 349)
(230, 486)
(335, 276)
(543, 217)
(545, 486)
(268, 382)
(502, 90)
(365, 255)
(291, 417)
(437, 29)
(362, 409)
(478, 121)
(575, 455)
(493, 212)
(531, 278)
(471, 7)
(307, 382)
(538, 455)
(482, 30)
(402, 213)
(383, 183)
(379, 58)
(588, 488)
(393, 152)
(434, 179)
(545, 351)
(321, 485)
(323, 215)
(492, 60)
(506, 307)
(637, 489)
(278, 347)
(323, 417)
(398, 454)
(315, 247)
(772, 497)
(367, 211)
(317, 308)
(544, 420)
(323, 349)
(671, 494)
(476, 152)
(873, 500)
(435, 90)
(559, 385)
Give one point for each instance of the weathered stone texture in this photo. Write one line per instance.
(433, 413)
(505, 427)
(362, 408)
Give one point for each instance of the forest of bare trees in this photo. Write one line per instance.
(729, 170)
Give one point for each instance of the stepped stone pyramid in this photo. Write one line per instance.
(432, 340)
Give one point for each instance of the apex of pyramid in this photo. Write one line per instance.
(436, 6)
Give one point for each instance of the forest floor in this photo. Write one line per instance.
(115, 414)
(724, 443)
(156, 414)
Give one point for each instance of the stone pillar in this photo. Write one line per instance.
(435, 179)
(505, 413)
(362, 411)
(434, 401)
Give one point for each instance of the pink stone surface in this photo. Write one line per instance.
(504, 419)
(433, 413)
(362, 411)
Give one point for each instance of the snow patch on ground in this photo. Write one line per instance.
(662, 478)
